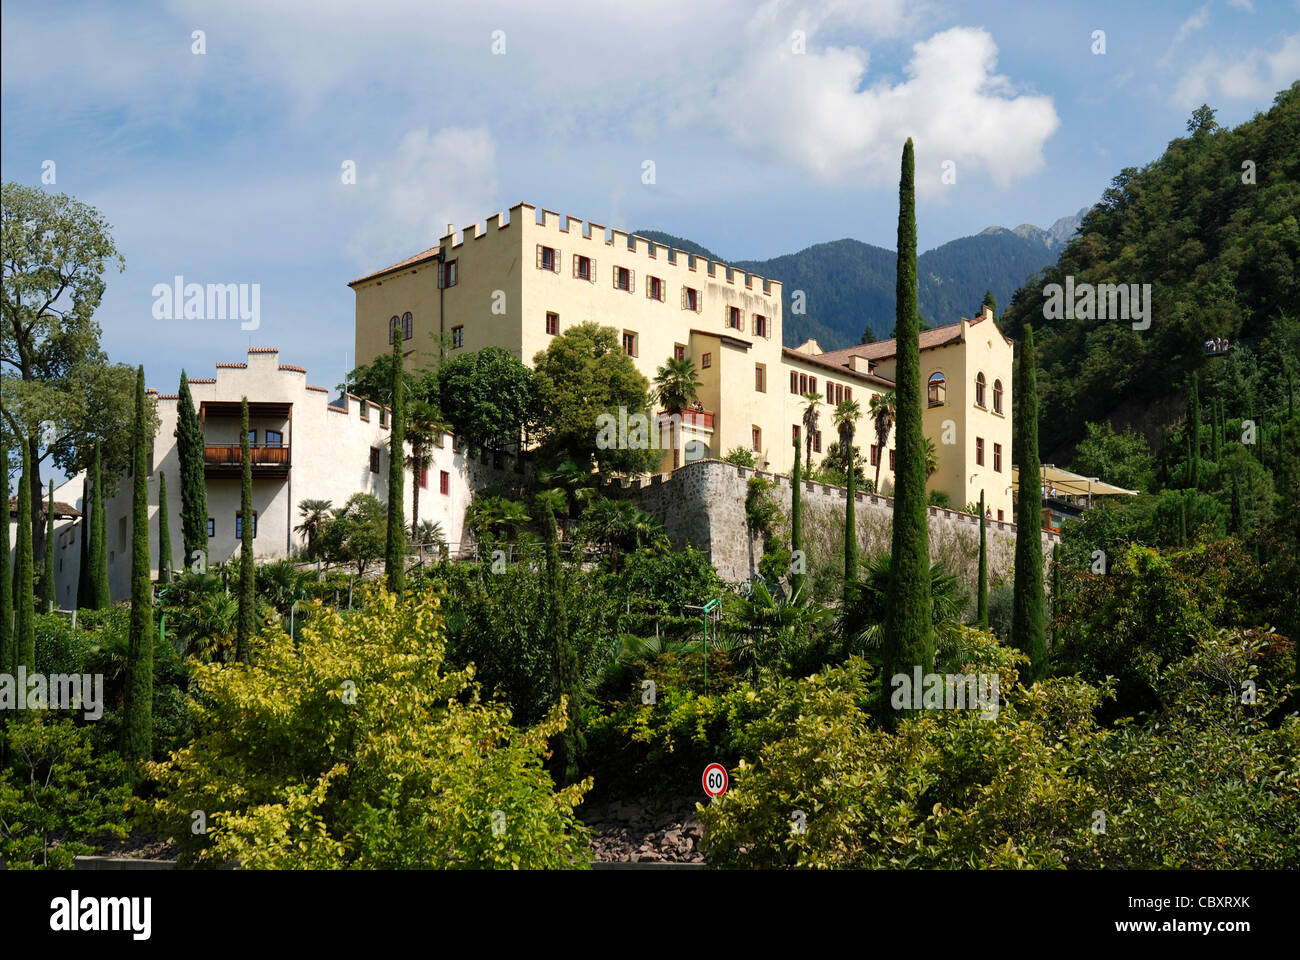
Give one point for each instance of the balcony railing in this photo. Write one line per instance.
(702, 419)
(221, 456)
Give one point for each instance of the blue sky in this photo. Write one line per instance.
(225, 166)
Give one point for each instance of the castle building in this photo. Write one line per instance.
(518, 282)
(302, 446)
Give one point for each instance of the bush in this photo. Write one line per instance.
(57, 794)
(740, 456)
(358, 748)
(60, 647)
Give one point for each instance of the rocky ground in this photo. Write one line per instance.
(645, 830)
(143, 846)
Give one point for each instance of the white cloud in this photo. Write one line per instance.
(812, 110)
(433, 179)
(1242, 5)
(1185, 29)
(1257, 74)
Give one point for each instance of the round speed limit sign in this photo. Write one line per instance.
(715, 780)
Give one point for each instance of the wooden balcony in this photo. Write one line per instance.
(701, 419)
(226, 460)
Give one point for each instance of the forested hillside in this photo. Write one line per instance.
(1214, 226)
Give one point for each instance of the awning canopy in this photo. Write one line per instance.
(1072, 484)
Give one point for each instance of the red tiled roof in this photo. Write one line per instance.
(169, 396)
(61, 510)
(321, 389)
(263, 349)
(294, 367)
(935, 337)
(235, 366)
(842, 369)
(421, 257)
(204, 379)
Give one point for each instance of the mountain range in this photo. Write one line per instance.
(848, 285)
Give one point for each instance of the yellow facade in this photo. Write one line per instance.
(516, 282)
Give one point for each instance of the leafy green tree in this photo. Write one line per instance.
(83, 536)
(247, 565)
(357, 533)
(990, 301)
(8, 647)
(565, 676)
(581, 375)
(194, 488)
(102, 597)
(740, 456)
(487, 397)
(395, 542)
(1119, 458)
(847, 414)
(1028, 631)
(61, 393)
(164, 535)
(49, 595)
(618, 527)
(494, 519)
(676, 387)
(982, 601)
(409, 773)
(25, 601)
(137, 726)
(1194, 434)
(774, 632)
(908, 636)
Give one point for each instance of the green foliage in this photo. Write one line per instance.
(60, 647)
(24, 639)
(316, 516)
(395, 534)
(101, 596)
(493, 519)
(1198, 513)
(676, 385)
(740, 456)
(57, 794)
(796, 526)
(356, 533)
(937, 498)
(982, 590)
(49, 594)
(8, 645)
(137, 728)
(164, 534)
(247, 562)
(908, 638)
(1028, 627)
(582, 374)
(619, 528)
(296, 772)
(194, 487)
(487, 397)
(1119, 458)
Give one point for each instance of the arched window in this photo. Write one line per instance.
(408, 324)
(997, 396)
(392, 328)
(979, 389)
(938, 389)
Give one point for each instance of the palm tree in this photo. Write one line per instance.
(931, 458)
(491, 517)
(810, 416)
(423, 427)
(881, 410)
(428, 533)
(847, 414)
(315, 515)
(676, 387)
(769, 631)
(866, 604)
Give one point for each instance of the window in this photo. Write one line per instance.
(760, 325)
(422, 478)
(979, 389)
(449, 274)
(623, 279)
(875, 454)
(654, 289)
(794, 434)
(408, 326)
(252, 438)
(393, 322)
(839, 393)
(937, 390)
(212, 527)
(457, 337)
(679, 351)
(794, 382)
(803, 384)
(979, 451)
(830, 392)
(548, 258)
(817, 441)
(629, 343)
(999, 516)
(552, 323)
(757, 436)
(733, 318)
(374, 459)
(274, 439)
(812, 384)
(239, 526)
(584, 268)
(848, 393)
(997, 457)
(891, 460)
(444, 482)
(997, 396)
(690, 299)
(706, 361)
(760, 378)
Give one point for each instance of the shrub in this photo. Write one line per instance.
(60, 647)
(740, 456)
(358, 748)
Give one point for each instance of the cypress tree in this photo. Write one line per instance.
(25, 604)
(83, 566)
(565, 673)
(8, 647)
(99, 591)
(1056, 577)
(247, 572)
(194, 490)
(796, 529)
(49, 595)
(1235, 519)
(395, 543)
(1027, 626)
(1194, 434)
(164, 535)
(1182, 523)
(850, 521)
(982, 601)
(908, 639)
(137, 709)
(990, 301)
